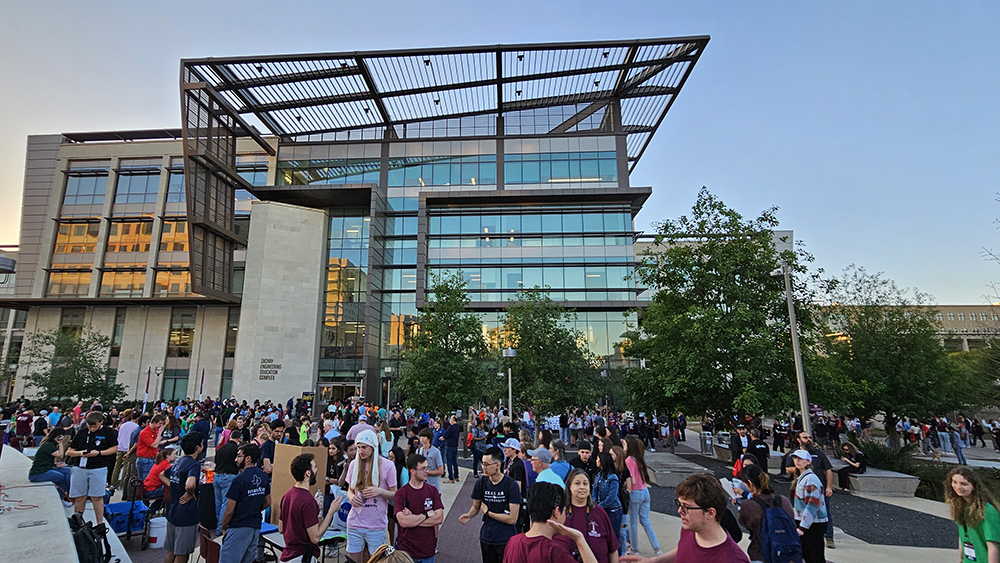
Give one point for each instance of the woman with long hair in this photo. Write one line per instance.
(385, 439)
(47, 465)
(372, 483)
(638, 476)
(334, 467)
(752, 512)
(398, 458)
(227, 433)
(809, 505)
(389, 554)
(171, 432)
(975, 511)
(544, 437)
(478, 437)
(606, 485)
(856, 463)
(590, 519)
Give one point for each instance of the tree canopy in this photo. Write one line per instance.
(884, 354)
(445, 368)
(71, 366)
(716, 334)
(552, 370)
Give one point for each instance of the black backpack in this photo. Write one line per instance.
(91, 541)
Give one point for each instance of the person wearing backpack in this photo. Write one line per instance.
(770, 520)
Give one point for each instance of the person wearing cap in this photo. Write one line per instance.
(809, 504)
(372, 484)
(541, 461)
(824, 471)
(513, 466)
(435, 463)
(584, 459)
(360, 427)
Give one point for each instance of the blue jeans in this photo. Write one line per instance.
(57, 475)
(615, 515)
(428, 560)
(143, 465)
(221, 483)
(945, 442)
(829, 516)
(958, 453)
(218, 432)
(639, 514)
(451, 461)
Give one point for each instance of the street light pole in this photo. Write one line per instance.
(510, 353)
(797, 352)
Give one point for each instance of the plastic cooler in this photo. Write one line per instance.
(117, 515)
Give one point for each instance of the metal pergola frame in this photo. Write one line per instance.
(310, 94)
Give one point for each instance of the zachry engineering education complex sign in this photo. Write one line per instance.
(268, 369)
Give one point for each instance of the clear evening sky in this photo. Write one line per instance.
(872, 125)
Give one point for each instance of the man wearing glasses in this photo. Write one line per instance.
(418, 511)
(498, 497)
(248, 495)
(701, 502)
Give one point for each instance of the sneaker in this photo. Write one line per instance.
(659, 552)
(67, 503)
(829, 543)
(652, 449)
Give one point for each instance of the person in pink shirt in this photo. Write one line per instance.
(372, 480)
(640, 502)
(78, 412)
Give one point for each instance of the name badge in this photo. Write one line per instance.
(970, 551)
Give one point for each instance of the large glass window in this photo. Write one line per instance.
(122, 284)
(571, 167)
(175, 384)
(227, 384)
(119, 332)
(72, 319)
(174, 237)
(181, 332)
(86, 182)
(137, 188)
(175, 188)
(231, 333)
(68, 284)
(172, 283)
(329, 164)
(76, 238)
(347, 276)
(133, 236)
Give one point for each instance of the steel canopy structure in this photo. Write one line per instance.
(622, 87)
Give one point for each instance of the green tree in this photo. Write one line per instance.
(884, 355)
(552, 370)
(716, 334)
(445, 360)
(69, 365)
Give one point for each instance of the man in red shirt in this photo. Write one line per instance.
(78, 413)
(148, 445)
(298, 520)
(418, 510)
(700, 504)
(22, 427)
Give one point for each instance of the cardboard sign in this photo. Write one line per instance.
(281, 475)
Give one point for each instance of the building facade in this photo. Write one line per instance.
(282, 240)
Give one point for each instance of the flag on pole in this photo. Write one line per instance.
(149, 372)
(201, 391)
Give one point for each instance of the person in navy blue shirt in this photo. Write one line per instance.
(249, 494)
(451, 436)
(202, 425)
(183, 513)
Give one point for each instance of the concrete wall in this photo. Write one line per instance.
(208, 350)
(39, 178)
(282, 305)
(39, 319)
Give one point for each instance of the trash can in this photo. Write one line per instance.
(722, 439)
(706, 444)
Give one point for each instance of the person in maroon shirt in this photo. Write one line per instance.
(22, 427)
(591, 519)
(298, 520)
(700, 504)
(418, 509)
(547, 512)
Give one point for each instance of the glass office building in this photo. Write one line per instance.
(282, 240)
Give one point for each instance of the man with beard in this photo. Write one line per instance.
(298, 521)
(248, 495)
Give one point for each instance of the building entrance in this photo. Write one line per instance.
(329, 393)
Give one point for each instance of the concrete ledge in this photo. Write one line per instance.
(882, 483)
(51, 541)
(668, 470)
(723, 453)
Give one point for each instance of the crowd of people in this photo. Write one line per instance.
(569, 487)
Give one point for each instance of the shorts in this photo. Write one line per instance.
(358, 537)
(87, 482)
(181, 540)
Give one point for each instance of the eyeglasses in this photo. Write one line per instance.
(485, 464)
(684, 509)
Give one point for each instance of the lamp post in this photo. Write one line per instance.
(364, 378)
(510, 353)
(796, 351)
(389, 370)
